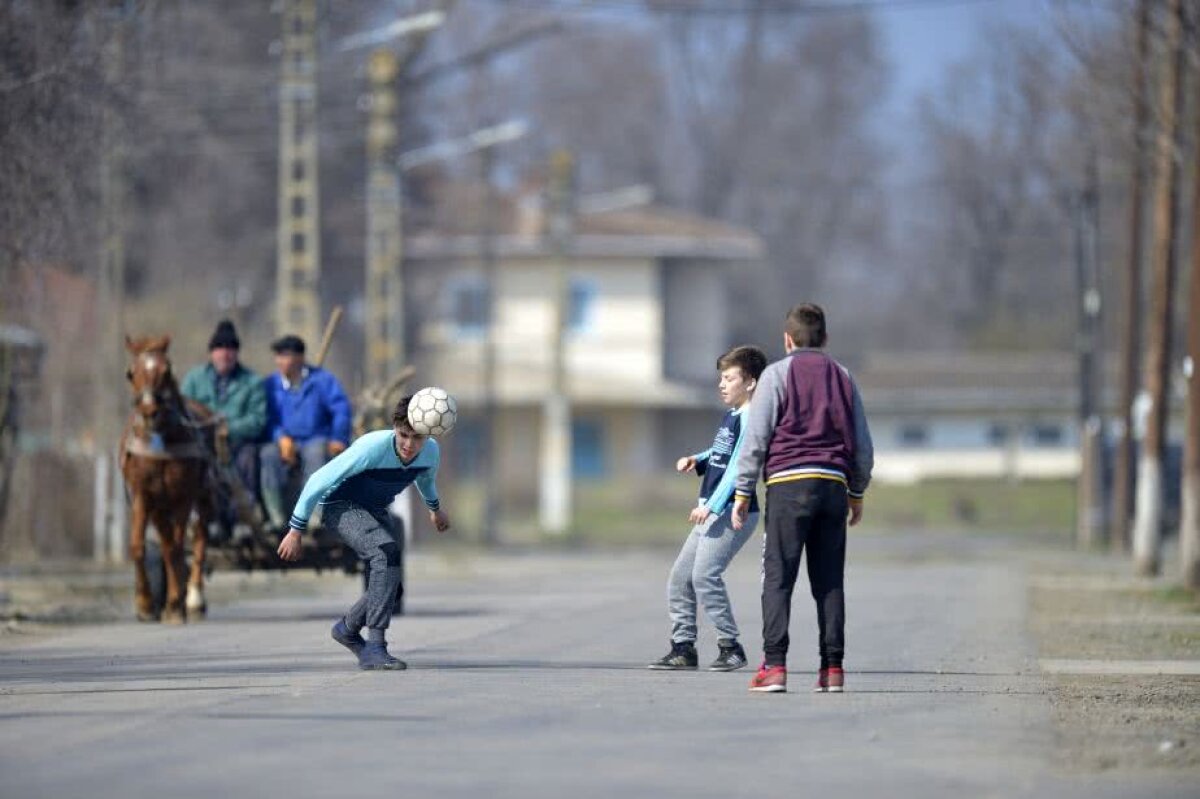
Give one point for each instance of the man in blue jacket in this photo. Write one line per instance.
(308, 421)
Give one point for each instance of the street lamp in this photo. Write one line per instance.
(405, 26)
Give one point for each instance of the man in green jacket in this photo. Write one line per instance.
(236, 393)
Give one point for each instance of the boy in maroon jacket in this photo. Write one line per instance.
(808, 433)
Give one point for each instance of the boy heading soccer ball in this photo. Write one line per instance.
(354, 491)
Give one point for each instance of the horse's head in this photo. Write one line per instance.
(150, 379)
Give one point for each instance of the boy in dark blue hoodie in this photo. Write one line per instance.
(697, 577)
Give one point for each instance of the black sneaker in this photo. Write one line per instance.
(731, 658)
(681, 657)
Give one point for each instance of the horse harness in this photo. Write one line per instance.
(148, 442)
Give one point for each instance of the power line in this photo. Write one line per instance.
(794, 8)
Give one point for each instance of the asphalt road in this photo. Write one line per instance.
(527, 679)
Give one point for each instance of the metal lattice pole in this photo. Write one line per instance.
(384, 325)
(298, 267)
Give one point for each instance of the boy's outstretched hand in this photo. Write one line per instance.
(685, 464)
(741, 511)
(856, 510)
(440, 520)
(289, 547)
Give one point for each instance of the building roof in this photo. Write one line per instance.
(452, 230)
(975, 382)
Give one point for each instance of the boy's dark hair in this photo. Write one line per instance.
(751, 360)
(400, 413)
(806, 325)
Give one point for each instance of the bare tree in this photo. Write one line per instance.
(50, 95)
(772, 129)
(996, 185)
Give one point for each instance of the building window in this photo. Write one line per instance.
(588, 459)
(581, 305)
(913, 434)
(1045, 434)
(468, 300)
(998, 434)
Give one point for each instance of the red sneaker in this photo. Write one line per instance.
(830, 681)
(770, 680)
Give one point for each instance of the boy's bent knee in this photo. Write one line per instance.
(391, 554)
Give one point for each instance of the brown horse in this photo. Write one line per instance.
(165, 459)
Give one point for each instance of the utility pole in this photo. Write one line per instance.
(487, 258)
(1189, 529)
(384, 287)
(298, 265)
(1131, 291)
(109, 518)
(1147, 528)
(1090, 521)
(554, 503)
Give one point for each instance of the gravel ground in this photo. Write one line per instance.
(1122, 722)
(1087, 608)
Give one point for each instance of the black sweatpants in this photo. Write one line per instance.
(810, 515)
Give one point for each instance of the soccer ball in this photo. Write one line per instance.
(432, 411)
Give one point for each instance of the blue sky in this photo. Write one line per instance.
(922, 42)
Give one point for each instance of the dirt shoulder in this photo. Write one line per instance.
(1087, 608)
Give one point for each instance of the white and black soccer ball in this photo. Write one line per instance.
(432, 411)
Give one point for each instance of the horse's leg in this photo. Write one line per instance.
(142, 601)
(170, 532)
(197, 607)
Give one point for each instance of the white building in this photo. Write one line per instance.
(647, 319)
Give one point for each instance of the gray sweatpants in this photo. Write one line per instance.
(699, 574)
(368, 535)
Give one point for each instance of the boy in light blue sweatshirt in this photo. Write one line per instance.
(354, 491)
(698, 573)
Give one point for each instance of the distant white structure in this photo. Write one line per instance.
(973, 415)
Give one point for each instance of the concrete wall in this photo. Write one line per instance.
(695, 316)
(951, 432)
(618, 350)
(911, 466)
